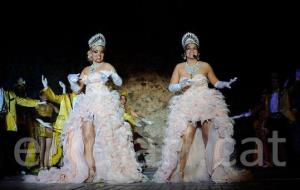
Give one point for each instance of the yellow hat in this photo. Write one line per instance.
(124, 93)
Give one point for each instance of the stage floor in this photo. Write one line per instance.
(270, 178)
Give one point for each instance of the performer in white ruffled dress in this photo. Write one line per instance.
(198, 139)
(97, 144)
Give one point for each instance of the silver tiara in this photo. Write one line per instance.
(189, 38)
(97, 40)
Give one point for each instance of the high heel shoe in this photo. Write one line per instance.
(181, 174)
(90, 179)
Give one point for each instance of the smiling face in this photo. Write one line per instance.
(97, 54)
(191, 51)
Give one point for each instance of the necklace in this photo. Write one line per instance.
(192, 70)
(94, 66)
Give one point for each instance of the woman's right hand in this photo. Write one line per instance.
(72, 78)
(185, 83)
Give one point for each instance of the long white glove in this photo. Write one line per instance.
(178, 86)
(115, 77)
(73, 79)
(44, 81)
(223, 84)
(63, 86)
(245, 114)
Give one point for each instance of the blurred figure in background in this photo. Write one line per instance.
(279, 114)
(136, 120)
(294, 90)
(45, 129)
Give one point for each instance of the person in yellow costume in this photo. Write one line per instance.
(135, 120)
(11, 100)
(10, 123)
(26, 127)
(65, 100)
(45, 129)
(128, 115)
(25, 119)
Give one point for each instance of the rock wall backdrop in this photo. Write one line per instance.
(148, 95)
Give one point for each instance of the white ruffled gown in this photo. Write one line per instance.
(113, 149)
(199, 103)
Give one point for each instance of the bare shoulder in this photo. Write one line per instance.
(85, 70)
(179, 65)
(108, 66)
(205, 65)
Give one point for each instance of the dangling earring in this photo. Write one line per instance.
(198, 57)
(184, 56)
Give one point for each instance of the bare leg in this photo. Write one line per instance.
(187, 140)
(89, 140)
(42, 151)
(205, 131)
(47, 152)
(187, 143)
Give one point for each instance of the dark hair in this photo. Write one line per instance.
(41, 93)
(184, 55)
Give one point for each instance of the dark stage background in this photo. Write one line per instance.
(247, 41)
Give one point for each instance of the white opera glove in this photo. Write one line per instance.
(106, 73)
(73, 79)
(247, 114)
(115, 77)
(182, 84)
(174, 87)
(75, 87)
(223, 84)
(44, 81)
(63, 86)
